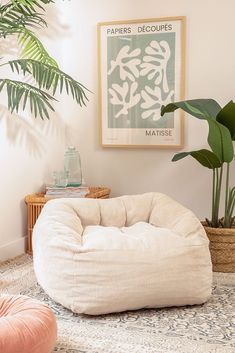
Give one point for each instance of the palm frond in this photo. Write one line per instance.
(15, 21)
(30, 6)
(32, 48)
(50, 78)
(21, 93)
(18, 17)
(12, 19)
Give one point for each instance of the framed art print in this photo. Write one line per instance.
(141, 68)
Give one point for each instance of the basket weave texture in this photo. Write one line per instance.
(95, 192)
(222, 248)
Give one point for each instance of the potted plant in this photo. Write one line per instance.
(217, 159)
(20, 18)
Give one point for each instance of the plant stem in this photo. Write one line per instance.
(213, 197)
(226, 207)
(230, 208)
(218, 184)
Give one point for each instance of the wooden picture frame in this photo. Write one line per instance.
(141, 67)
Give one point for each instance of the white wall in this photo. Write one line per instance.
(210, 72)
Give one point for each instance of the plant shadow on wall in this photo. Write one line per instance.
(221, 122)
(40, 78)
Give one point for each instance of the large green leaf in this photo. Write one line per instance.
(226, 117)
(200, 108)
(220, 141)
(205, 157)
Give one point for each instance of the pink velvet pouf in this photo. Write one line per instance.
(26, 326)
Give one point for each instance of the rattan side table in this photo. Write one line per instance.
(35, 203)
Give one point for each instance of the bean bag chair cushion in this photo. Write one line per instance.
(99, 256)
(26, 326)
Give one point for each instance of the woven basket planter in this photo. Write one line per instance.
(222, 248)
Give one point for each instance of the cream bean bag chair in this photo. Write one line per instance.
(99, 256)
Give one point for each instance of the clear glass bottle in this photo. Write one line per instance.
(72, 165)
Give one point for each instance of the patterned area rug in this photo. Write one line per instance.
(208, 328)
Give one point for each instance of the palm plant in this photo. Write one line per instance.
(20, 18)
(221, 122)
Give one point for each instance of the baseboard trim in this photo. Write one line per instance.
(13, 249)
